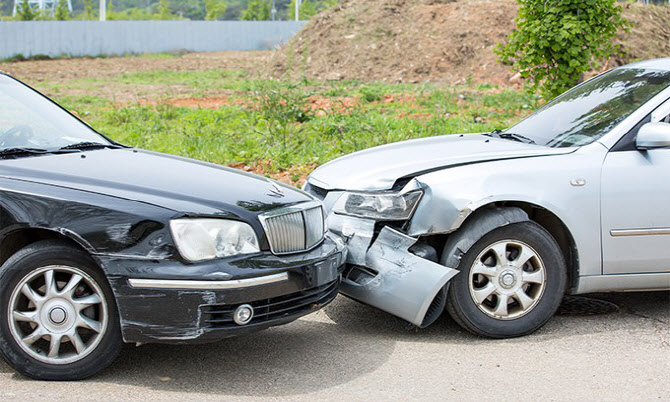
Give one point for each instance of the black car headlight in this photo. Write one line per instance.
(378, 206)
(205, 239)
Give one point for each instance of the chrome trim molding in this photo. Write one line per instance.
(640, 232)
(207, 285)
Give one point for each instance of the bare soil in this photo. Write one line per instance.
(434, 40)
(65, 69)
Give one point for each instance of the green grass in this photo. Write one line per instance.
(273, 120)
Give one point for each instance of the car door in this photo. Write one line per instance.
(635, 208)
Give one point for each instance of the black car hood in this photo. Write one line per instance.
(183, 185)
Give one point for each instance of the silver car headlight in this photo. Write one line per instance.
(378, 206)
(204, 239)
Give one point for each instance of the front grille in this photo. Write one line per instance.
(221, 315)
(294, 229)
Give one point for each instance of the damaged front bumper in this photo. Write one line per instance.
(382, 272)
(167, 301)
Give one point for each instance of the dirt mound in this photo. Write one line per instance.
(435, 40)
(649, 38)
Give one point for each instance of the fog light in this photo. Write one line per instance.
(243, 314)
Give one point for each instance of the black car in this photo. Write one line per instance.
(102, 244)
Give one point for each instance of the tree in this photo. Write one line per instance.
(308, 10)
(214, 9)
(25, 12)
(257, 10)
(88, 10)
(62, 12)
(556, 41)
(191, 9)
(164, 10)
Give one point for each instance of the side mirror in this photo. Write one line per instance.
(653, 135)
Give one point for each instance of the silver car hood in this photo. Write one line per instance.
(378, 168)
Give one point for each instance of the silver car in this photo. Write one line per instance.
(498, 227)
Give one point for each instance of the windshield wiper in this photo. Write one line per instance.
(87, 145)
(22, 151)
(516, 137)
(494, 133)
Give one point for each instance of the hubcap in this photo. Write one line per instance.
(57, 314)
(507, 279)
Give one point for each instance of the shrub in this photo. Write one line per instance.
(556, 41)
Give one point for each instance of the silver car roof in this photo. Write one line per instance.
(655, 64)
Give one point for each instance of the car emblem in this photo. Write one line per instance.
(275, 191)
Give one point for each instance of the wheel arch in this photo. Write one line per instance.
(543, 216)
(17, 238)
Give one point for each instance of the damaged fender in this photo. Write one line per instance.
(474, 229)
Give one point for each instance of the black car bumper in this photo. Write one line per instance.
(167, 301)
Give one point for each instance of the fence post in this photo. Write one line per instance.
(103, 10)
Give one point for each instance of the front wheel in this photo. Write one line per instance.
(511, 282)
(61, 319)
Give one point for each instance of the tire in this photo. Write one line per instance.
(78, 318)
(508, 299)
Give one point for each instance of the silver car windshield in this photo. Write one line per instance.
(585, 113)
(30, 121)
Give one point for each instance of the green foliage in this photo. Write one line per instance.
(308, 9)
(330, 3)
(88, 10)
(556, 41)
(370, 94)
(257, 10)
(25, 12)
(214, 9)
(62, 13)
(282, 124)
(164, 10)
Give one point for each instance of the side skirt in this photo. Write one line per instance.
(623, 283)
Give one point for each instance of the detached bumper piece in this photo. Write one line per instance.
(387, 275)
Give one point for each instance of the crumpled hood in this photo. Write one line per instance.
(378, 168)
(183, 185)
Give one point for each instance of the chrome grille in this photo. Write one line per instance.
(294, 229)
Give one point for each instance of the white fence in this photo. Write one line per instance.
(95, 38)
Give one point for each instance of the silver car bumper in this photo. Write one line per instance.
(386, 274)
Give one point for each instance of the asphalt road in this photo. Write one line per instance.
(352, 352)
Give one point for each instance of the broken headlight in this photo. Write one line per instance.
(204, 239)
(378, 206)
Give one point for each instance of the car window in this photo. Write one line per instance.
(27, 119)
(590, 110)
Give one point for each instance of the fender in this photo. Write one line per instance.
(480, 223)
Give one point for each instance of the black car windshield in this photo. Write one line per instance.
(587, 112)
(29, 121)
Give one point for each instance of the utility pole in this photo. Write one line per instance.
(297, 9)
(274, 11)
(103, 10)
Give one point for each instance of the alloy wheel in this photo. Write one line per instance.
(58, 314)
(507, 279)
